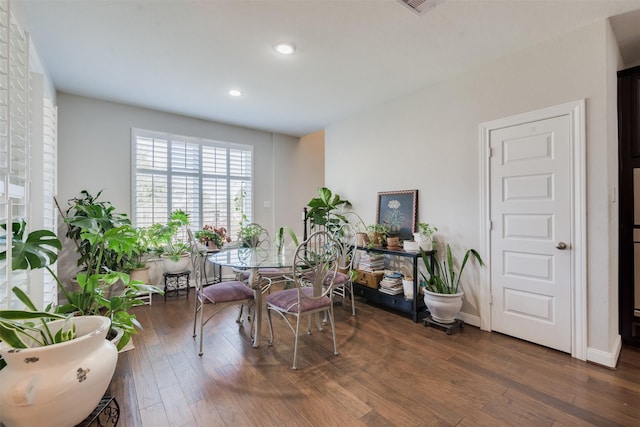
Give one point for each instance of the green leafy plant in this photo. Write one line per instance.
(249, 235)
(209, 233)
(92, 299)
(443, 278)
(141, 250)
(163, 239)
(378, 228)
(88, 214)
(325, 210)
(280, 237)
(18, 329)
(426, 229)
(93, 296)
(204, 236)
(377, 234)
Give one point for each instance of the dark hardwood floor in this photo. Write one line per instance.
(390, 372)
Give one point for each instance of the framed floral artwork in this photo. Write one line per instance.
(398, 210)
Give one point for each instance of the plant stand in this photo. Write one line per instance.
(449, 328)
(107, 413)
(176, 283)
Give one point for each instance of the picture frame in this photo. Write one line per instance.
(399, 211)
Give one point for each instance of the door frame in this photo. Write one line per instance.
(577, 140)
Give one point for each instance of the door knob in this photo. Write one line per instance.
(561, 245)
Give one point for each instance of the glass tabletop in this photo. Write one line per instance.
(253, 258)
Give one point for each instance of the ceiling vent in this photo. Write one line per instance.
(421, 6)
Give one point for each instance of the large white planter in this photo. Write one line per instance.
(176, 266)
(443, 307)
(59, 384)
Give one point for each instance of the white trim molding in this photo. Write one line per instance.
(576, 112)
(610, 360)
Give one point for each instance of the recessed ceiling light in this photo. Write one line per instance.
(235, 92)
(284, 48)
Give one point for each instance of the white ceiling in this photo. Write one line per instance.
(183, 56)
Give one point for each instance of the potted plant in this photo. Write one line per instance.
(95, 293)
(377, 234)
(86, 211)
(250, 235)
(54, 387)
(442, 293)
(326, 210)
(137, 264)
(167, 240)
(424, 236)
(212, 237)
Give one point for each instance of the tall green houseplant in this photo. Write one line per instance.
(443, 277)
(324, 211)
(93, 222)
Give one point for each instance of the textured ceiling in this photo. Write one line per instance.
(183, 56)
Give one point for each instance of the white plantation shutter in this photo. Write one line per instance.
(201, 177)
(5, 272)
(50, 186)
(151, 185)
(14, 144)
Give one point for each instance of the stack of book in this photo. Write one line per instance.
(371, 262)
(391, 283)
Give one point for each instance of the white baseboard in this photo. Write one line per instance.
(608, 359)
(469, 319)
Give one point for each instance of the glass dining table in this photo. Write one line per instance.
(253, 259)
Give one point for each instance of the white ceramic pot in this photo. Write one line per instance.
(176, 266)
(425, 242)
(411, 246)
(407, 287)
(443, 307)
(59, 384)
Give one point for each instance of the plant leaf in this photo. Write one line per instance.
(38, 250)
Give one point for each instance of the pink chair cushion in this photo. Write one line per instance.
(227, 292)
(287, 300)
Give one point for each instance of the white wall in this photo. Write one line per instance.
(304, 162)
(95, 154)
(430, 141)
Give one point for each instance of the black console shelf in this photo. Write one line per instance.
(414, 307)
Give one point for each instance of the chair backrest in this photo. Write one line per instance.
(315, 263)
(197, 260)
(347, 238)
(254, 235)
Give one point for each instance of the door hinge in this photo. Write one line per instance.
(490, 299)
(490, 152)
(490, 225)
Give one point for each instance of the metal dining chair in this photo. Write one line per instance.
(217, 296)
(347, 239)
(314, 268)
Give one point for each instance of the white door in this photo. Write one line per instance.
(530, 236)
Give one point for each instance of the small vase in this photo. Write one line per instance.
(211, 245)
(425, 242)
(407, 287)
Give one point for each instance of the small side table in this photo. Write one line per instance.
(176, 283)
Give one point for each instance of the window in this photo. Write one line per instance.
(210, 180)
